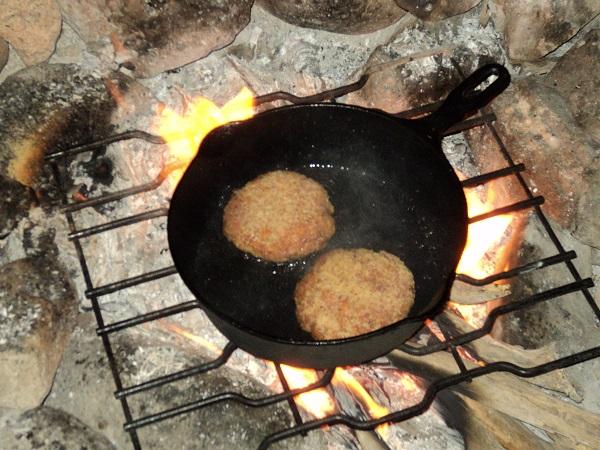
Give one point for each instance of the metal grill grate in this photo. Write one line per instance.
(451, 343)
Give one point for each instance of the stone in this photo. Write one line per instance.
(537, 126)
(535, 28)
(437, 9)
(49, 428)
(414, 68)
(51, 106)
(37, 312)
(31, 27)
(577, 77)
(84, 387)
(272, 55)
(151, 37)
(4, 52)
(15, 200)
(346, 17)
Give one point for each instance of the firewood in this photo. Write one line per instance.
(510, 434)
(467, 294)
(512, 396)
(369, 441)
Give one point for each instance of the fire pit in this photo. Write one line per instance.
(477, 374)
(294, 391)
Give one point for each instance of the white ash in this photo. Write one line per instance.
(154, 362)
(462, 33)
(456, 149)
(270, 55)
(26, 317)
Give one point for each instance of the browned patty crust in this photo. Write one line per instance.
(279, 216)
(351, 292)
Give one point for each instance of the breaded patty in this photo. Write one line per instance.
(351, 292)
(279, 216)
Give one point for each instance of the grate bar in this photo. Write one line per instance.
(160, 212)
(470, 123)
(320, 97)
(129, 282)
(95, 306)
(259, 100)
(430, 393)
(148, 317)
(418, 111)
(453, 349)
(114, 196)
(227, 396)
(551, 260)
(182, 374)
(286, 387)
(481, 179)
(131, 134)
(508, 209)
(493, 315)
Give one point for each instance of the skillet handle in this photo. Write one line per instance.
(464, 100)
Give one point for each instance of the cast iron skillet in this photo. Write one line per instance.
(392, 189)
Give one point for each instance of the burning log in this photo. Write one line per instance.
(374, 390)
(513, 397)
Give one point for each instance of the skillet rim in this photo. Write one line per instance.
(416, 126)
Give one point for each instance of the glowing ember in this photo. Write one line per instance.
(435, 329)
(317, 402)
(483, 236)
(184, 132)
(474, 315)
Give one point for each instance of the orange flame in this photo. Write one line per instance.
(374, 409)
(486, 251)
(474, 315)
(184, 132)
(483, 236)
(317, 402)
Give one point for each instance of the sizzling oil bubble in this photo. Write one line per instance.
(294, 264)
(320, 166)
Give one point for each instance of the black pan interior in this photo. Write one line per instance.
(390, 184)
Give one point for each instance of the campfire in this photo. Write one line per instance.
(184, 132)
(101, 339)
